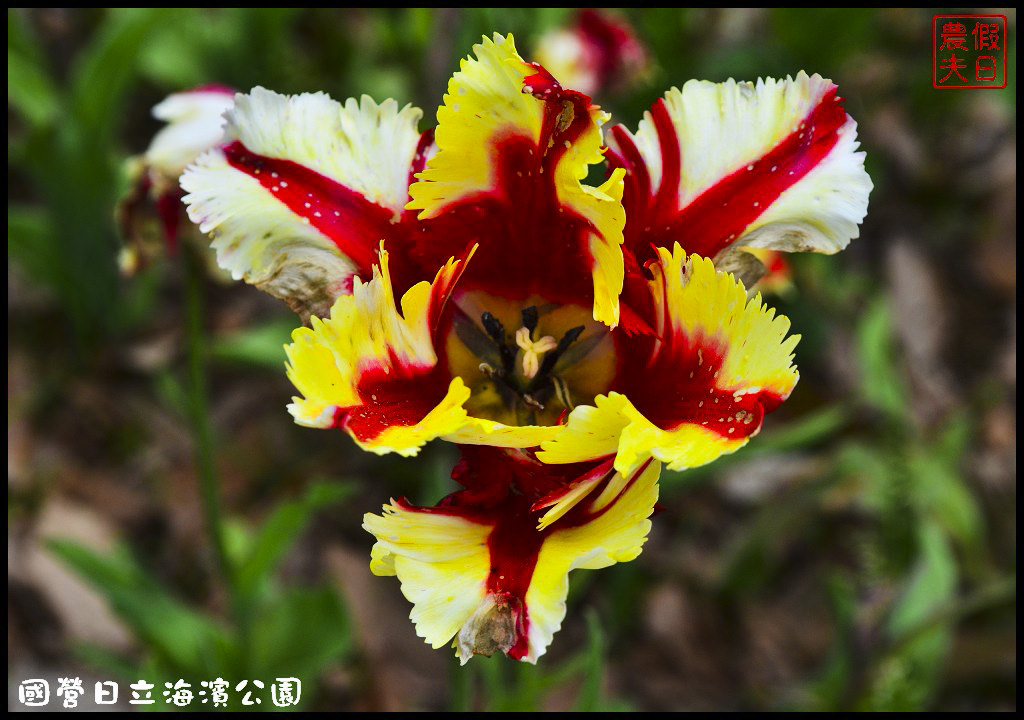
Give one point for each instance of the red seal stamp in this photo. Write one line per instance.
(969, 51)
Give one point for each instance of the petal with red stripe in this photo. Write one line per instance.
(373, 371)
(477, 568)
(699, 386)
(771, 164)
(304, 190)
(513, 150)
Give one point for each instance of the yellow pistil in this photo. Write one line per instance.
(533, 350)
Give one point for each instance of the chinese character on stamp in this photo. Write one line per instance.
(969, 51)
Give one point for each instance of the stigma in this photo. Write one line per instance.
(532, 351)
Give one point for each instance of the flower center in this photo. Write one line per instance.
(532, 351)
(556, 358)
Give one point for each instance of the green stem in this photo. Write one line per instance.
(203, 438)
(865, 663)
(997, 593)
(462, 686)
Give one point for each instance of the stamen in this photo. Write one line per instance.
(493, 327)
(568, 339)
(536, 390)
(562, 392)
(496, 330)
(531, 402)
(533, 350)
(502, 383)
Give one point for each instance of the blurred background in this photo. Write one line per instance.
(860, 553)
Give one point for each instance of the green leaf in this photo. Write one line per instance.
(435, 480)
(30, 243)
(104, 70)
(797, 28)
(107, 661)
(299, 634)
(172, 392)
(141, 297)
(262, 346)
(827, 690)
(908, 678)
(591, 694)
(30, 90)
(20, 37)
(808, 430)
(186, 641)
(881, 383)
(173, 56)
(871, 470)
(758, 549)
(73, 170)
(280, 530)
(499, 693)
(461, 682)
(939, 492)
(954, 438)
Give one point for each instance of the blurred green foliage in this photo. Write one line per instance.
(299, 629)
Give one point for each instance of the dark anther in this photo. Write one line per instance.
(496, 330)
(501, 382)
(568, 339)
(527, 396)
(530, 318)
(493, 327)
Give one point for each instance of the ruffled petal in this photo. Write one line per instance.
(195, 123)
(304, 191)
(696, 389)
(771, 164)
(615, 533)
(373, 371)
(514, 147)
(442, 561)
(479, 571)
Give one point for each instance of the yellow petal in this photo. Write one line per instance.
(485, 113)
(700, 315)
(616, 534)
(487, 577)
(441, 560)
(374, 371)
